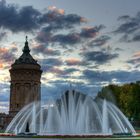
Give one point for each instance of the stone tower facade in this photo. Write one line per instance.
(25, 76)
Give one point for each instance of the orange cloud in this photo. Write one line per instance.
(7, 55)
(1, 65)
(73, 61)
(137, 54)
(90, 32)
(59, 11)
(56, 70)
(3, 50)
(87, 28)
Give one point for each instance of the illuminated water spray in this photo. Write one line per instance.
(74, 113)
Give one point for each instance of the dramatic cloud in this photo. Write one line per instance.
(100, 41)
(70, 70)
(51, 65)
(135, 60)
(7, 55)
(48, 24)
(68, 49)
(52, 69)
(61, 73)
(53, 92)
(91, 32)
(136, 37)
(57, 19)
(129, 28)
(137, 54)
(71, 38)
(15, 19)
(99, 57)
(99, 78)
(51, 62)
(2, 35)
(27, 18)
(110, 76)
(42, 49)
(74, 62)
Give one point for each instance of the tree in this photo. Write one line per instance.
(126, 97)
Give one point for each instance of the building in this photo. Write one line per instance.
(25, 85)
(4, 120)
(25, 76)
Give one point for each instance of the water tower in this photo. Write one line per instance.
(25, 76)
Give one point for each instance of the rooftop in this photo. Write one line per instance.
(26, 57)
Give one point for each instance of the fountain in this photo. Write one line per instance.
(73, 114)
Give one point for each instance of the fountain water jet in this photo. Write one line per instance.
(105, 128)
(73, 114)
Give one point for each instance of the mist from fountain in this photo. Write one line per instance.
(73, 114)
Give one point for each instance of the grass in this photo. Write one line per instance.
(133, 138)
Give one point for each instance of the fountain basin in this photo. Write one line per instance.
(73, 114)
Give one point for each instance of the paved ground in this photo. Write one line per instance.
(132, 138)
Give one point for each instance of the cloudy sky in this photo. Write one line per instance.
(86, 44)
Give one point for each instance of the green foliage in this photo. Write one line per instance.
(126, 97)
